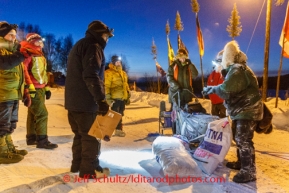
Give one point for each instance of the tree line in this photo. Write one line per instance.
(55, 50)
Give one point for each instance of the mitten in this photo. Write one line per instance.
(32, 90)
(208, 90)
(47, 93)
(102, 107)
(108, 99)
(16, 47)
(26, 98)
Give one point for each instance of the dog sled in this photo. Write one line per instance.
(190, 121)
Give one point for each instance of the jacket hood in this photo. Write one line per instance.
(97, 36)
(30, 48)
(232, 54)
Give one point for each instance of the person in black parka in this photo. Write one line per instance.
(85, 98)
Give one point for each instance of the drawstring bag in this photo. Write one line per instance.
(215, 146)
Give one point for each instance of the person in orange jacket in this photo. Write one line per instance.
(37, 116)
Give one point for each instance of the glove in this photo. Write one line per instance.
(180, 90)
(26, 98)
(16, 47)
(208, 90)
(102, 107)
(108, 99)
(106, 138)
(32, 90)
(47, 93)
(127, 101)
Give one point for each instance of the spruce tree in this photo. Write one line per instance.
(234, 28)
(195, 6)
(178, 24)
(154, 50)
(168, 28)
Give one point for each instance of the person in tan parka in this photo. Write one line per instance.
(117, 90)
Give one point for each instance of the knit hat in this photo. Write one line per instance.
(5, 28)
(182, 53)
(99, 27)
(33, 37)
(115, 58)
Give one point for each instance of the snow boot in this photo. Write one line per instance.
(11, 146)
(244, 176)
(74, 168)
(235, 165)
(31, 139)
(6, 157)
(42, 142)
(119, 133)
(101, 173)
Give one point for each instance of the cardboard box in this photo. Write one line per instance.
(105, 125)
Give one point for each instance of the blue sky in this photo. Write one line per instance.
(137, 22)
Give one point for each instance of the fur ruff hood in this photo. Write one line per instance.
(232, 54)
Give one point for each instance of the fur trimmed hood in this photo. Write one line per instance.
(232, 54)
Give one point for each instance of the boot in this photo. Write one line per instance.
(235, 165)
(119, 133)
(104, 172)
(244, 177)
(246, 151)
(99, 172)
(11, 146)
(74, 168)
(7, 157)
(42, 142)
(31, 139)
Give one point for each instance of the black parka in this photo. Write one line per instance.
(84, 84)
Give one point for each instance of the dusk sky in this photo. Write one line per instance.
(137, 22)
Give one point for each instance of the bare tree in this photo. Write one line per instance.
(49, 50)
(67, 44)
(24, 29)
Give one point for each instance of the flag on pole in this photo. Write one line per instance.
(160, 69)
(284, 38)
(171, 54)
(181, 44)
(200, 37)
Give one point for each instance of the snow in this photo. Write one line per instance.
(130, 158)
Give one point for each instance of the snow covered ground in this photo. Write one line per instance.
(131, 160)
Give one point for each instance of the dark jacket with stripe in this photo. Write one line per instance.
(179, 78)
